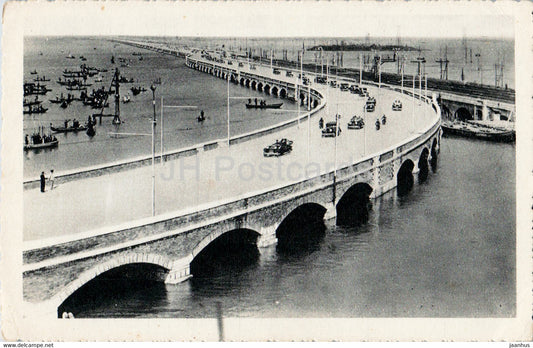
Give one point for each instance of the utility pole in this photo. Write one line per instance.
(152, 87)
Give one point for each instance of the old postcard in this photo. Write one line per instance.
(258, 171)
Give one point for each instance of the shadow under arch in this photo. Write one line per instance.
(462, 114)
(354, 205)
(302, 230)
(230, 251)
(405, 180)
(423, 165)
(137, 279)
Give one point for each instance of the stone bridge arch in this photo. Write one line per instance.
(404, 177)
(353, 206)
(220, 248)
(423, 165)
(260, 86)
(242, 80)
(274, 91)
(253, 85)
(463, 114)
(94, 272)
(218, 233)
(300, 227)
(283, 93)
(266, 89)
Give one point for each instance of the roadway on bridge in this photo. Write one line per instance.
(92, 205)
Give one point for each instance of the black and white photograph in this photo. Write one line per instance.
(275, 171)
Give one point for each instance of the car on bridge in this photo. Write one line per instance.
(333, 83)
(241, 64)
(370, 107)
(330, 130)
(397, 105)
(289, 73)
(321, 80)
(279, 148)
(356, 122)
(276, 71)
(344, 86)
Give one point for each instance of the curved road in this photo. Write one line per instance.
(86, 206)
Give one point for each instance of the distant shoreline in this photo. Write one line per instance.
(362, 47)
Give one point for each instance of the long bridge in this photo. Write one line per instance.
(227, 187)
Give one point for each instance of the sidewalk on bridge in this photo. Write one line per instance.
(92, 203)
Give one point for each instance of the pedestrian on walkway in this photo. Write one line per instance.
(51, 179)
(43, 180)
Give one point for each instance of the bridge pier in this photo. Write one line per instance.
(331, 211)
(267, 237)
(180, 271)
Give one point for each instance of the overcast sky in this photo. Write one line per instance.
(273, 19)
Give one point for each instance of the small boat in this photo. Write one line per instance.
(124, 79)
(478, 132)
(137, 90)
(126, 99)
(74, 128)
(98, 79)
(31, 102)
(64, 104)
(70, 56)
(41, 79)
(264, 106)
(43, 145)
(35, 109)
(34, 72)
(39, 140)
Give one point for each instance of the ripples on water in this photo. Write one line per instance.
(447, 249)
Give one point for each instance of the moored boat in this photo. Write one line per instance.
(478, 132)
(264, 106)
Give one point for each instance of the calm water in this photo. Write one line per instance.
(180, 86)
(445, 250)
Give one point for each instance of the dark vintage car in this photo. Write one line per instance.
(279, 148)
(321, 79)
(288, 73)
(344, 86)
(241, 65)
(333, 83)
(370, 107)
(330, 130)
(356, 122)
(276, 71)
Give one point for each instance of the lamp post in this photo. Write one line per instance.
(152, 87)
